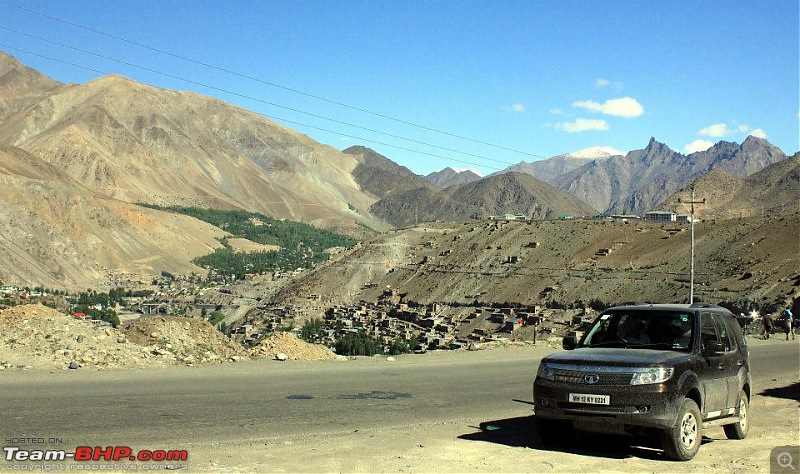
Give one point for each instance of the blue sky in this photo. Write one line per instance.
(465, 84)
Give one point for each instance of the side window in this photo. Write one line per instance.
(708, 330)
(726, 333)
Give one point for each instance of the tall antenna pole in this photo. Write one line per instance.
(691, 248)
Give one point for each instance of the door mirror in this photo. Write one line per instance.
(569, 342)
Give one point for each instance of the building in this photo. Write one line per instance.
(660, 216)
(685, 218)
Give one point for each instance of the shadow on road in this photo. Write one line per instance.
(521, 432)
(790, 392)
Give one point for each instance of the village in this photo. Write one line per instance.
(247, 321)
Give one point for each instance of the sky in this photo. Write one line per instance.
(448, 83)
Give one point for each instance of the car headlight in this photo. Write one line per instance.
(546, 372)
(651, 375)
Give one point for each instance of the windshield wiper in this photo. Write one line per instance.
(651, 345)
(608, 343)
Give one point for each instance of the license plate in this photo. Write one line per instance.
(590, 399)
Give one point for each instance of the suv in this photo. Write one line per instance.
(672, 369)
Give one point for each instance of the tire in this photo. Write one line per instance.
(682, 441)
(554, 432)
(739, 429)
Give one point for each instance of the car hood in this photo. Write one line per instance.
(600, 356)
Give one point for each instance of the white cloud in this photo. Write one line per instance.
(759, 133)
(744, 127)
(698, 145)
(716, 130)
(518, 107)
(556, 111)
(627, 107)
(582, 125)
(602, 82)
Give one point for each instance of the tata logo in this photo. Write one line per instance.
(591, 379)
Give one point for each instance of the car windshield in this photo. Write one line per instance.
(638, 329)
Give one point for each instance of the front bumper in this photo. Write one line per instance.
(648, 406)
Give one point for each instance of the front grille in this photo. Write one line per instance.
(604, 378)
(593, 408)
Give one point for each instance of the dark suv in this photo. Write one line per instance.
(673, 369)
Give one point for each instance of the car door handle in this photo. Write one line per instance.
(721, 367)
(739, 363)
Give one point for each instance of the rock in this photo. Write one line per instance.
(122, 339)
(390, 359)
(473, 347)
(161, 352)
(74, 364)
(281, 356)
(80, 338)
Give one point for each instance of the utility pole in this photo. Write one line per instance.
(691, 248)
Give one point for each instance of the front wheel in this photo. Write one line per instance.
(682, 441)
(739, 429)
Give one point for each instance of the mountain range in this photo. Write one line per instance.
(76, 160)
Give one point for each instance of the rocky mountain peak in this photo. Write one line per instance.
(595, 153)
(450, 176)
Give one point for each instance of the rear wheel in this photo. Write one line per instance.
(682, 441)
(554, 432)
(739, 429)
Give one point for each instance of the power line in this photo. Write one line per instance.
(279, 86)
(244, 96)
(271, 117)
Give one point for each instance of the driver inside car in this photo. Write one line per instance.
(631, 330)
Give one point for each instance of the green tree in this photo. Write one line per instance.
(311, 330)
(358, 343)
(216, 317)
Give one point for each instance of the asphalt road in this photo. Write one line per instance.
(270, 399)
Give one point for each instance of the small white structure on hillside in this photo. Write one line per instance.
(660, 216)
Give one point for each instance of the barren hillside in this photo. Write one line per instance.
(754, 259)
(137, 143)
(62, 235)
(775, 189)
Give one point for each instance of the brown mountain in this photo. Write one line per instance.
(448, 177)
(507, 193)
(380, 176)
(62, 235)
(20, 86)
(407, 198)
(137, 143)
(773, 190)
(639, 181)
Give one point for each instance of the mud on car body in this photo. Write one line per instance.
(669, 369)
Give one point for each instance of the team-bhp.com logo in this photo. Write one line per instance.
(87, 453)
